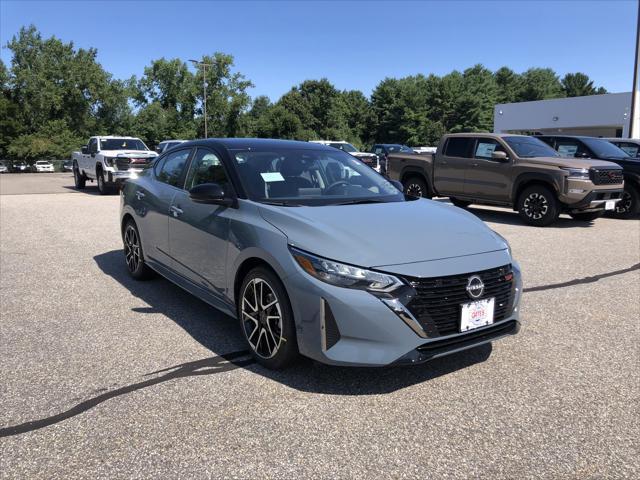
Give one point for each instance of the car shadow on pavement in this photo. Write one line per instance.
(89, 189)
(221, 335)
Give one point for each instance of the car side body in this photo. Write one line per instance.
(210, 250)
(483, 168)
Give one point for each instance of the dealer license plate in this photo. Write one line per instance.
(477, 314)
(609, 205)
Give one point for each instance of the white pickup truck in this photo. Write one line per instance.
(109, 161)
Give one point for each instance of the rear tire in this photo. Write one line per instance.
(629, 205)
(78, 178)
(133, 255)
(266, 319)
(538, 206)
(416, 187)
(459, 203)
(587, 216)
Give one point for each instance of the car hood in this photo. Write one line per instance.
(571, 162)
(382, 234)
(129, 153)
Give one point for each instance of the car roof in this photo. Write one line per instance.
(257, 143)
(485, 134)
(168, 141)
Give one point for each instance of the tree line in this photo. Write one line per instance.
(54, 96)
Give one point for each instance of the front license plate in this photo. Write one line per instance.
(477, 314)
(610, 205)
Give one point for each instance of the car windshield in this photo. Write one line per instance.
(399, 148)
(530, 147)
(345, 147)
(122, 144)
(311, 177)
(604, 149)
(42, 162)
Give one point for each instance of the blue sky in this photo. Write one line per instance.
(353, 44)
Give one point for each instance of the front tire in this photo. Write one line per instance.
(538, 206)
(102, 184)
(266, 319)
(587, 216)
(133, 255)
(629, 205)
(78, 179)
(416, 187)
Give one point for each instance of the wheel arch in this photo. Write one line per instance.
(526, 180)
(409, 172)
(245, 267)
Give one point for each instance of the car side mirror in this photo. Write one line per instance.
(84, 149)
(397, 184)
(500, 156)
(212, 193)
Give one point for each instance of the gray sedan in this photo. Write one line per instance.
(317, 254)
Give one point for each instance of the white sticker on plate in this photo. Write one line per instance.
(272, 177)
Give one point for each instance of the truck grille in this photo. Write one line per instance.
(437, 303)
(605, 176)
(124, 163)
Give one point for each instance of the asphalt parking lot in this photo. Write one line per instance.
(104, 376)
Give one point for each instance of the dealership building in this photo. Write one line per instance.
(607, 115)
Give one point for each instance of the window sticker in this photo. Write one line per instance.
(272, 177)
(567, 150)
(485, 149)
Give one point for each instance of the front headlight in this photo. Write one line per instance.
(342, 275)
(109, 161)
(579, 173)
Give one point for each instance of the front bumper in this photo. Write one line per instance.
(596, 200)
(341, 326)
(119, 176)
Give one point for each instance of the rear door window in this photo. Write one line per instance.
(629, 148)
(459, 147)
(568, 147)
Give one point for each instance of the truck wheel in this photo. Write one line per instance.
(538, 206)
(587, 216)
(133, 255)
(79, 179)
(629, 205)
(266, 319)
(102, 185)
(459, 203)
(416, 187)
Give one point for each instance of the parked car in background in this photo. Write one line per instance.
(598, 148)
(369, 159)
(20, 167)
(383, 149)
(42, 166)
(300, 243)
(109, 161)
(67, 166)
(3, 168)
(631, 146)
(515, 171)
(167, 144)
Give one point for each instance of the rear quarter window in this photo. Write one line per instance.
(458, 147)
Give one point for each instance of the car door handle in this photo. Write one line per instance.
(140, 195)
(175, 211)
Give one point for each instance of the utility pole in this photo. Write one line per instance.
(634, 130)
(204, 90)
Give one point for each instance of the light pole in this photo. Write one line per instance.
(633, 128)
(204, 90)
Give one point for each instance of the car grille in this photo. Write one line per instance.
(437, 305)
(605, 176)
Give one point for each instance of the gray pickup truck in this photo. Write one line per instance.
(515, 171)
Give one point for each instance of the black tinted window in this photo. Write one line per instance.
(122, 144)
(458, 147)
(206, 167)
(172, 167)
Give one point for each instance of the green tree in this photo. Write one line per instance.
(509, 84)
(539, 84)
(578, 84)
(54, 140)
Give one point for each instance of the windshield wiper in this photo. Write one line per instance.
(361, 201)
(280, 204)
